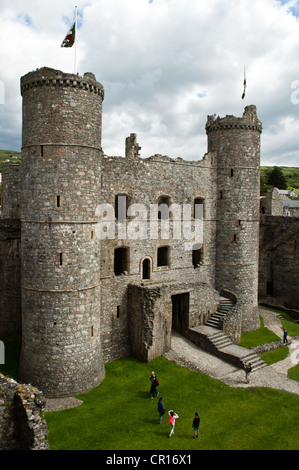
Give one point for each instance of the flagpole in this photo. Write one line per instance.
(244, 86)
(75, 53)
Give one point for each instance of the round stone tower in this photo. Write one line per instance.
(236, 143)
(61, 177)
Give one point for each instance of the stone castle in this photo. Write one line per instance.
(87, 299)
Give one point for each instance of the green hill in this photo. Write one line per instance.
(10, 155)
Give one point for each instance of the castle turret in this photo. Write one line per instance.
(236, 142)
(61, 175)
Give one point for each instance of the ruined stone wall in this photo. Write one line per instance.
(22, 422)
(279, 261)
(152, 316)
(272, 203)
(11, 190)
(144, 181)
(10, 277)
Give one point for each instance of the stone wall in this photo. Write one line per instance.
(22, 422)
(272, 203)
(10, 277)
(279, 261)
(156, 309)
(142, 182)
(11, 190)
(79, 310)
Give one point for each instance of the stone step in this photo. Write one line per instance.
(216, 319)
(212, 321)
(220, 340)
(255, 360)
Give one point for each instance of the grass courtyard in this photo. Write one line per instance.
(120, 415)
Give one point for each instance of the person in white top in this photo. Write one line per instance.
(172, 417)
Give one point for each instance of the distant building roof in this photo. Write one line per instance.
(288, 192)
(290, 202)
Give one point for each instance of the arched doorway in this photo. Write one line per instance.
(146, 268)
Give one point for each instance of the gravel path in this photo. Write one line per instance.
(185, 353)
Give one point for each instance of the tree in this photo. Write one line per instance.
(264, 187)
(277, 179)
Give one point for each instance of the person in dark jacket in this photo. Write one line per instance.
(285, 336)
(195, 425)
(155, 383)
(161, 409)
(152, 378)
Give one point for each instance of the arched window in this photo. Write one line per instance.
(164, 202)
(146, 268)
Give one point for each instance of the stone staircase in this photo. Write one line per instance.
(220, 340)
(216, 319)
(255, 360)
(212, 338)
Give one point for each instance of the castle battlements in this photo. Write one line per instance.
(249, 121)
(49, 77)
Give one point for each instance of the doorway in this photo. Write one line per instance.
(146, 268)
(180, 313)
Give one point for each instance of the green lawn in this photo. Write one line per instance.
(293, 373)
(261, 336)
(119, 415)
(279, 354)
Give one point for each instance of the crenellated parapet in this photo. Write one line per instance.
(249, 121)
(41, 77)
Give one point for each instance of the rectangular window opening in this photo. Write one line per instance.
(121, 261)
(121, 205)
(60, 259)
(58, 201)
(163, 256)
(118, 311)
(199, 208)
(197, 256)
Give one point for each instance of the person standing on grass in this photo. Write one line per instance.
(195, 425)
(152, 378)
(155, 383)
(161, 409)
(172, 417)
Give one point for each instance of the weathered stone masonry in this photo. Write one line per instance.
(86, 300)
(22, 422)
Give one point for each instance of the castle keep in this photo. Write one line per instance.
(87, 298)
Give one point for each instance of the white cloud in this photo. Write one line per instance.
(165, 65)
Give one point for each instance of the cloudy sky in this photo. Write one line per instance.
(165, 65)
